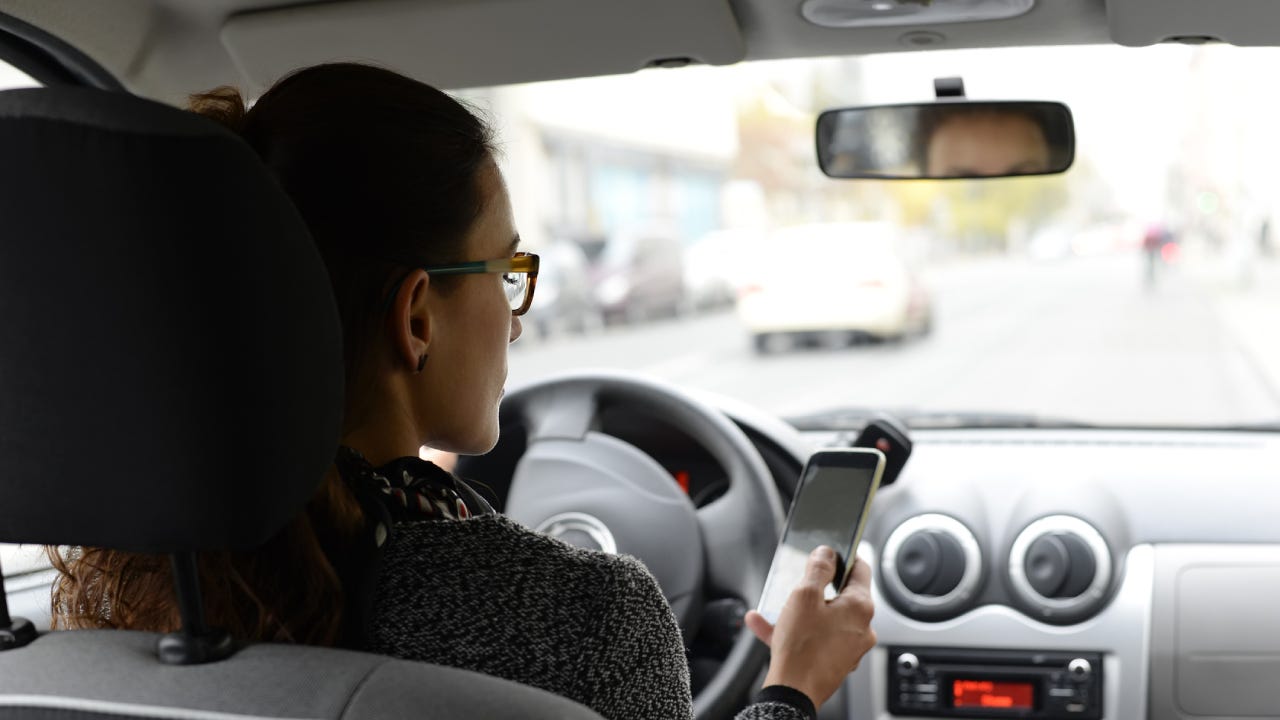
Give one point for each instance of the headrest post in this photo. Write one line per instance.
(14, 632)
(195, 643)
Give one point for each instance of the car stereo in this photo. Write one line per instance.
(995, 683)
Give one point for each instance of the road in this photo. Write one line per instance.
(1081, 339)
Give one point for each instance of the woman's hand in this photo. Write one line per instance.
(817, 643)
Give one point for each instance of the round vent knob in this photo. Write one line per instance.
(931, 562)
(931, 567)
(1060, 567)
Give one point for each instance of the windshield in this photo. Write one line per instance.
(1139, 288)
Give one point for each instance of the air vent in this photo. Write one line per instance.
(1060, 569)
(931, 567)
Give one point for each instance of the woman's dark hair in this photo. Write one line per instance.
(384, 170)
(386, 173)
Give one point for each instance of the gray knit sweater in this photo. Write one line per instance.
(489, 595)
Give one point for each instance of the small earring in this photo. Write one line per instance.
(422, 362)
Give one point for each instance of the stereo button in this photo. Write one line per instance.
(1062, 692)
(1079, 669)
(908, 664)
(1075, 708)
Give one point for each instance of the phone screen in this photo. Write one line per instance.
(827, 510)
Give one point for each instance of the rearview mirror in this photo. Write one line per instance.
(946, 139)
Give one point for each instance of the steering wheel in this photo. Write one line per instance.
(595, 490)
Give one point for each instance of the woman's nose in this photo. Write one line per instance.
(517, 328)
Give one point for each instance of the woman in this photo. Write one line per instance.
(398, 184)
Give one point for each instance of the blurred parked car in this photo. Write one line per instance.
(834, 283)
(1050, 243)
(640, 274)
(566, 302)
(713, 266)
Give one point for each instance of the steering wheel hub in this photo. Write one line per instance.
(580, 530)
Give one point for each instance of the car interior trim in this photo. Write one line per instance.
(1121, 632)
(1215, 628)
(969, 581)
(624, 37)
(49, 60)
(556, 526)
(70, 704)
(1060, 524)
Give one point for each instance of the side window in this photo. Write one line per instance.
(19, 559)
(11, 77)
(22, 559)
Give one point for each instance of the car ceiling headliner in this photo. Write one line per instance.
(169, 48)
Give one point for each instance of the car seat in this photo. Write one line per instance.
(170, 383)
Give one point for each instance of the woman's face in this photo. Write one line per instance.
(988, 144)
(471, 326)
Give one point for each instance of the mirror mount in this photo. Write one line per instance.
(948, 88)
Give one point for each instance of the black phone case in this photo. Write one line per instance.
(890, 437)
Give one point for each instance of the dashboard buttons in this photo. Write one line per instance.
(1079, 669)
(1060, 570)
(931, 567)
(908, 664)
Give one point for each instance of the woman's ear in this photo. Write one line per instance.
(409, 322)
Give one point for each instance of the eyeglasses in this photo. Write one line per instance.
(519, 276)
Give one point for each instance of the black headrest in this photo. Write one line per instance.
(171, 361)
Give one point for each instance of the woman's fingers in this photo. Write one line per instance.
(859, 580)
(760, 627)
(821, 568)
(816, 644)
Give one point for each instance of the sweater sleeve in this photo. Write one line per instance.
(772, 711)
(637, 668)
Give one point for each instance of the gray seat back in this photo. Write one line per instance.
(92, 674)
(173, 384)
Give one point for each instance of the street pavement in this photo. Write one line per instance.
(1081, 338)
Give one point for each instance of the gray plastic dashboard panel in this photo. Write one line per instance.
(1121, 632)
(1149, 493)
(1215, 651)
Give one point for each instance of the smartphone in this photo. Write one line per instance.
(829, 508)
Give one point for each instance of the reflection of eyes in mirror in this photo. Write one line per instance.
(985, 143)
(947, 140)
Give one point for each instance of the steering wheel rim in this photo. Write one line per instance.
(739, 530)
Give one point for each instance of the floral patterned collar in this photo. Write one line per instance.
(412, 488)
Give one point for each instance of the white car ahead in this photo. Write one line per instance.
(835, 284)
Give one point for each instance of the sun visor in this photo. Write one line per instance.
(1238, 22)
(474, 43)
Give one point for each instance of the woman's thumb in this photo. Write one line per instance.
(760, 627)
(821, 567)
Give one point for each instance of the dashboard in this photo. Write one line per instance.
(1155, 554)
(1055, 573)
(1028, 573)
